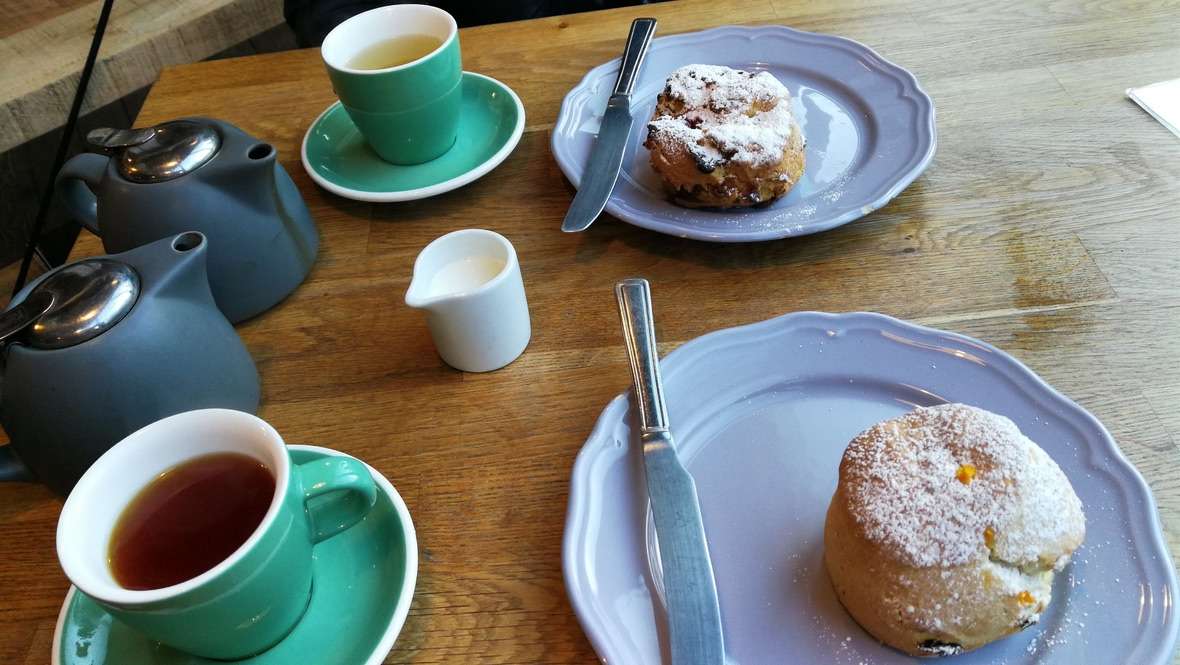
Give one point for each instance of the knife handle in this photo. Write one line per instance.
(641, 31)
(639, 331)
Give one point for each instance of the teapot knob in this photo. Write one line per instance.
(73, 304)
(160, 153)
(109, 139)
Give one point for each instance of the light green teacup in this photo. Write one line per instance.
(251, 600)
(409, 113)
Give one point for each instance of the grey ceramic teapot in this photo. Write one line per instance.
(97, 349)
(198, 174)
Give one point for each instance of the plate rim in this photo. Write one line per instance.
(1132, 485)
(430, 190)
(911, 89)
(401, 609)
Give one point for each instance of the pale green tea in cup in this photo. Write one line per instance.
(398, 73)
(395, 52)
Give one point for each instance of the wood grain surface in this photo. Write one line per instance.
(1047, 225)
(43, 45)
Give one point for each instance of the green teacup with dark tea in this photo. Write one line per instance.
(197, 530)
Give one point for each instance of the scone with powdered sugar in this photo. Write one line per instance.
(947, 528)
(722, 137)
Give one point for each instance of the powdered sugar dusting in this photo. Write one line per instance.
(728, 114)
(723, 90)
(902, 486)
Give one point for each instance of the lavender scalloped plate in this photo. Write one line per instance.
(762, 414)
(869, 129)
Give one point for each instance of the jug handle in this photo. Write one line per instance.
(75, 186)
(11, 468)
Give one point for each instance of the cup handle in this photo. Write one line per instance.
(338, 492)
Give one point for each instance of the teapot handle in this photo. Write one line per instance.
(11, 468)
(75, 186)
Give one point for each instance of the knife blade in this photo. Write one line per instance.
(690, 590)
(606, 158)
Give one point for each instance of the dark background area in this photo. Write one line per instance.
(312, 20)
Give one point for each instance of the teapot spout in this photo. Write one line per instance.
(190, 246)
(247, 174)
(175, 264)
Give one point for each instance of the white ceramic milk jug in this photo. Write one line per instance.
(469, 283)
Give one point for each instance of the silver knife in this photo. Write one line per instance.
(606, 158)
(690, 592)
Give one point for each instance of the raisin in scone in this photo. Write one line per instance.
(947, 528)
(725, 138)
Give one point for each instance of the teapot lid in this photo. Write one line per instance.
(89, 297)
(163, 152)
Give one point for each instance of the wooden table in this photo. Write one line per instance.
(1047, 225)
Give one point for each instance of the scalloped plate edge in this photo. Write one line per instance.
(578, 512)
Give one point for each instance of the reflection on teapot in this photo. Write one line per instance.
(198, 174)
(98, 348)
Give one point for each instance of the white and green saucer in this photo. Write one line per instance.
(364, 581)
(338, 159)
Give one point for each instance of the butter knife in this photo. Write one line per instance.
(606, 158)
(690, 591)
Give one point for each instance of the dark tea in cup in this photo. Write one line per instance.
(189, 519)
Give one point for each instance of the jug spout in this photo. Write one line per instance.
(418, 294)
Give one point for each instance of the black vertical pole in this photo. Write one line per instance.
(63, 146)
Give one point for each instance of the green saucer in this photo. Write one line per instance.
(338, 159)
(364, 581)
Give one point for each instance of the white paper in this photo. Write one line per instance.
(1162, 101)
